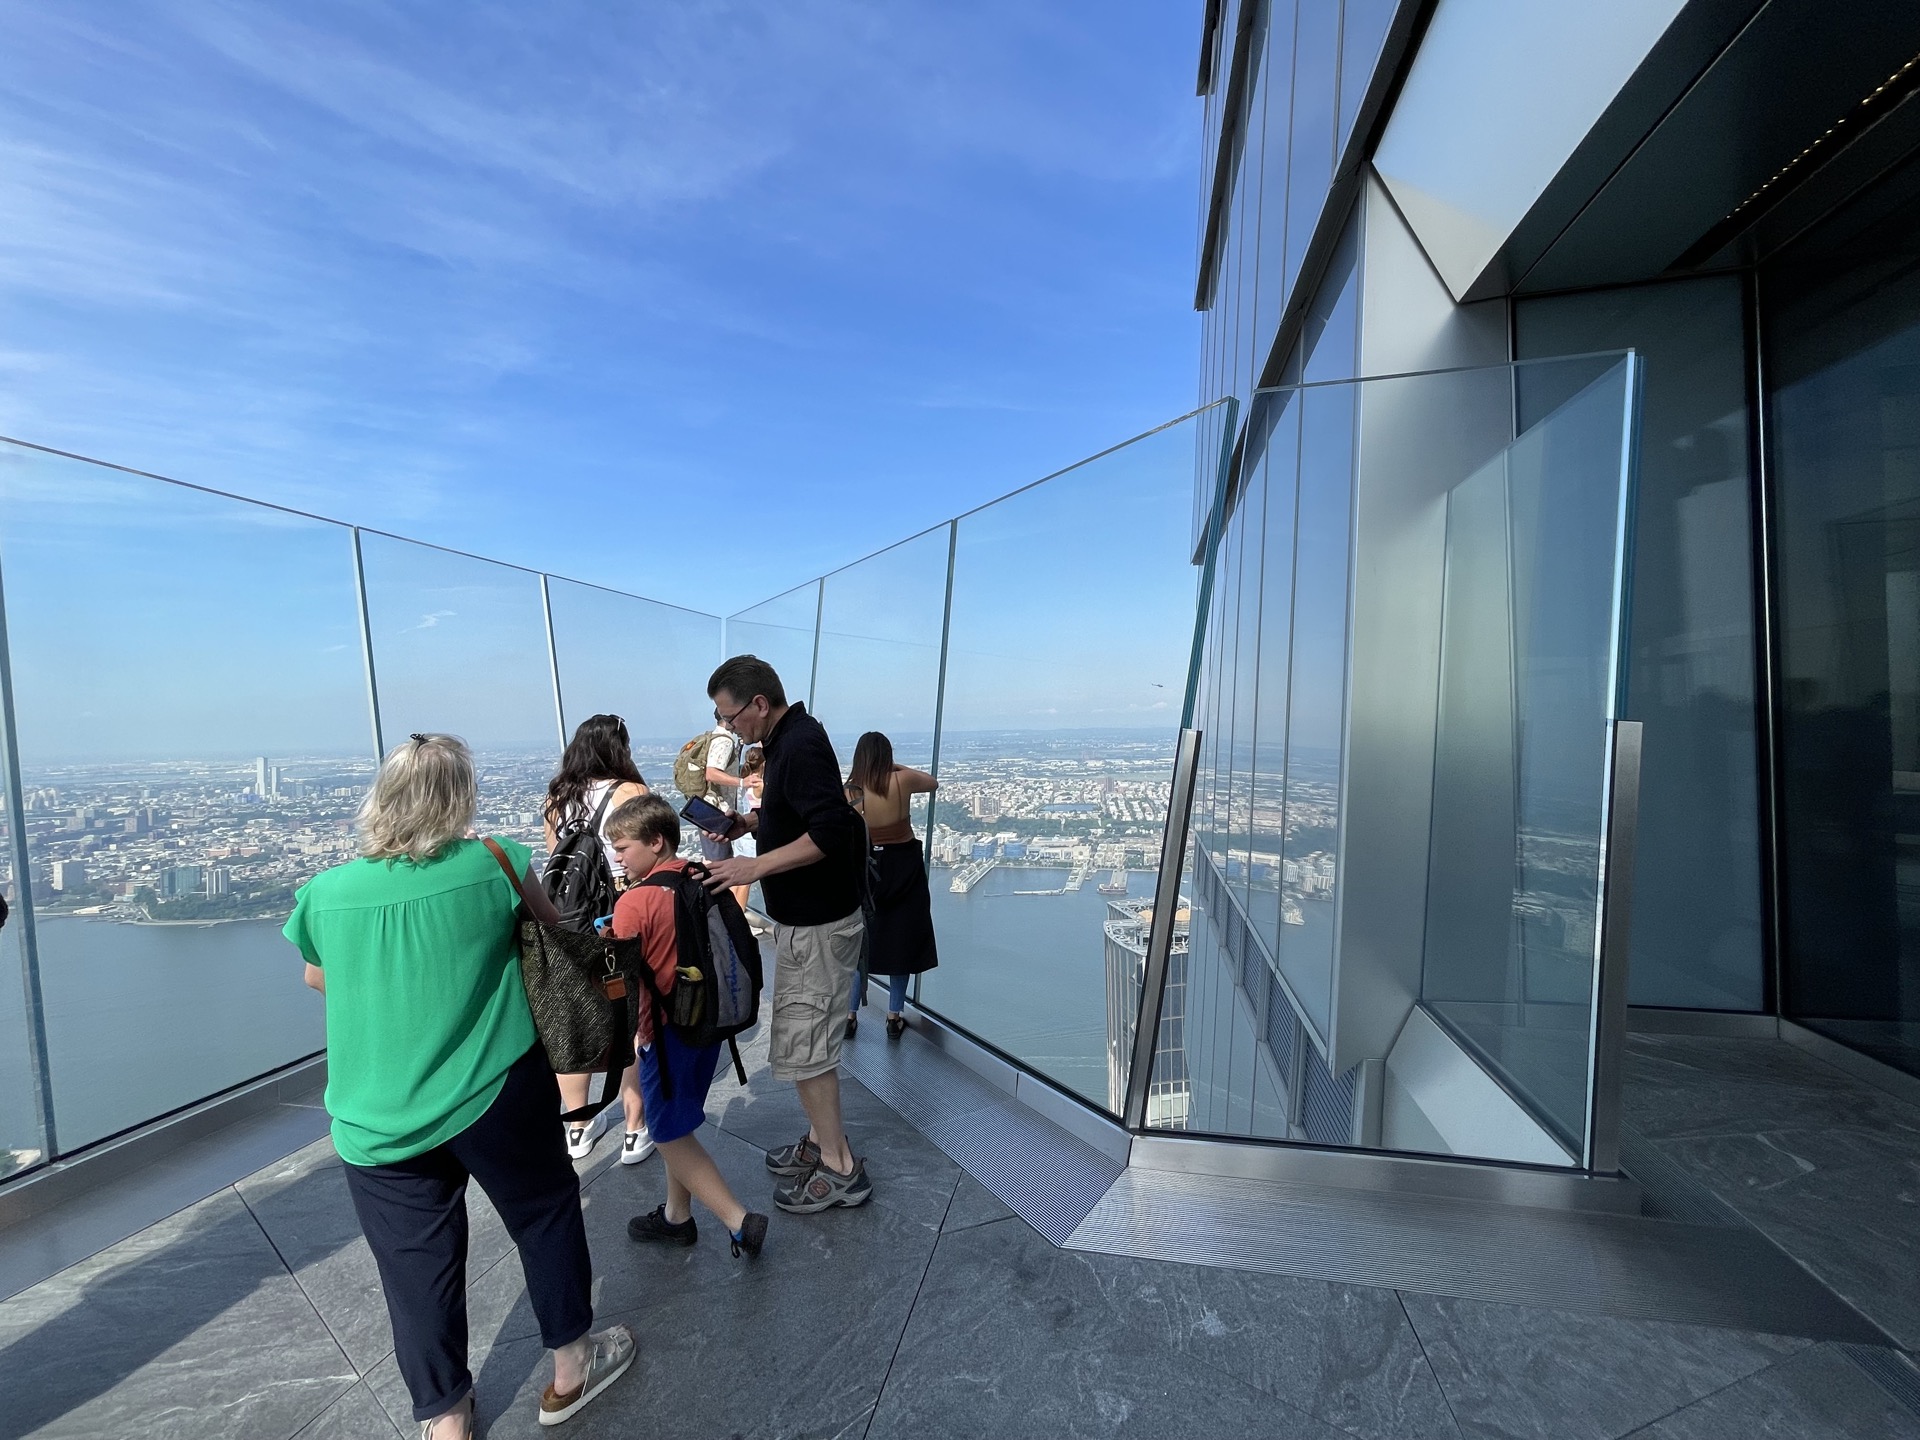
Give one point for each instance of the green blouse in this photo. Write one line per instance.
(425, 1011)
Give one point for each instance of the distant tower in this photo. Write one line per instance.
(273, 782)
(260, 777)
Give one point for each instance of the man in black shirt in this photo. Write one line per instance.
(809, 866)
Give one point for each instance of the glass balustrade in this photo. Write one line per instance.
(642, 660)
(1398, 834)
(781, 631)
(879, 668)
(192, 735)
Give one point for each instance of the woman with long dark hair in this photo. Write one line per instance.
(900, 924)
(597, 776)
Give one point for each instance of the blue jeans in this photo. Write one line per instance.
(896, 994)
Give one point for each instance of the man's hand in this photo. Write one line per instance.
(741, 825)
(727, 874)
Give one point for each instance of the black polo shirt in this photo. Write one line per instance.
(804, 795)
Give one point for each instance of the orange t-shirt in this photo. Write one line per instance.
(646, 911)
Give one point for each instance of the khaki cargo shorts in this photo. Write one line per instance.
(813, 976)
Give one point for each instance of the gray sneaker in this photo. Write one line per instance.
(822, 1189)
(795, 1159)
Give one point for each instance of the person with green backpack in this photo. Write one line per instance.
(708, 767)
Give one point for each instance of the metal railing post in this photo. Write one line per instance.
(1609, 1027)
(940, 702)
(1166, 905)
(36, 1015)
(553, 662)
(366, 646)
(819, 615)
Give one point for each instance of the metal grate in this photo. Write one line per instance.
(1281, 1036)
(1047, 1177)
(1671, 1193)
(1894, 1372)
(1326, 1102)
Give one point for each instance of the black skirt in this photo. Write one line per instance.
(901, 933)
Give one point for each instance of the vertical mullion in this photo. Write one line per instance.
(940, 700)
(553, 662)
(366, 647)
(36, 1017)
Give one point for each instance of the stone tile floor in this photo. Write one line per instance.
(935, 1311)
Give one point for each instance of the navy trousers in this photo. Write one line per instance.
(414, 1214)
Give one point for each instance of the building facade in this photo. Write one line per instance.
(1475, 188)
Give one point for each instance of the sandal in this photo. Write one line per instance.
(613, 1352)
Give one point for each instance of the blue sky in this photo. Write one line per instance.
(581, 285)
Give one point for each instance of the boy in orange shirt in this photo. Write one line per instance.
(645, 834)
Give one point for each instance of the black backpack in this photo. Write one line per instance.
(578, 879)
(716, 992)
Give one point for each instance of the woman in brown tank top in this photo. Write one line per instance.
(900, 922)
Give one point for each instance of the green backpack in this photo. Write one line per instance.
(690, 766)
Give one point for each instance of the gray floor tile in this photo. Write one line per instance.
(1845, 1204)
(974, 1204)
(1818, 1395)
(1695, 1085)
(45, 1244)
(1513, 1370)
(356, 1415)
(192, 1328)
(1011, 1336)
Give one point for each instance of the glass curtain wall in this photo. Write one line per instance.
(1309, 65)
(1841, 335)
(642, 660)
(193, 736)
(1690, 675)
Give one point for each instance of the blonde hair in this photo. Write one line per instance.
(422, 800)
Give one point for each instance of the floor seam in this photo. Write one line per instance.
(1427, 1360)
(359, 1374)
(1717, 1390)
(906, 1321)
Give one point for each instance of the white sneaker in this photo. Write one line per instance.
(581, 1138)
(636, 1147)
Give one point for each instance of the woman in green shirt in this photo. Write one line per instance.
(435, 1075)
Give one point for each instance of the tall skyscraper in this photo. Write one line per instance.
(260, 777)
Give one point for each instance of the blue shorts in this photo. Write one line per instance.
(692, 1072)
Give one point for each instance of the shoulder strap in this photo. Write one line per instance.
(600, 813)
(506, 867)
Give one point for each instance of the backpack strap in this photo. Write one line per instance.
(738, 1068)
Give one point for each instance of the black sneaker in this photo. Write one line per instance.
(853, 1025)
(753, 1234)
(653, 1228)
(822, 1189)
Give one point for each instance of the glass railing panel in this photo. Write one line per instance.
(879, 665)
(193, 739)
(1068, 650)
(781, 632)
(460, 646)
(1522, 749)
(643, 660)
(23, 1138)
(1433, 678)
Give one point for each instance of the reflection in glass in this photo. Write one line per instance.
(642, 660)
(193, 739)
(1316, 703)
(1843, 328)
(781, 632)
(1696, 886)
(1279, 419)
(1071, 632)
(1363, 26)
(1316, 68)
(460, 646)
(1528, 686)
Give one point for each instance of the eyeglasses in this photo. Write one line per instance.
(720, 719)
